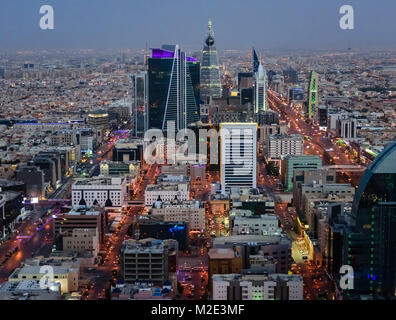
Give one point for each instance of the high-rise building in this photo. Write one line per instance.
(260, 90)
(312, 102)
(139, 103)
(210, 72)
(346, 128)
(238, 155)
(256, 61)
(372, 240)
(322, 116)
(173, 88)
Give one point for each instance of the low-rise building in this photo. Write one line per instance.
(190, 211)
(105, 192)
(257, 286)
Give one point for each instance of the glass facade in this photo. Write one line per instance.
(139, 110)
(173, 89)
(372, 240)
(210, 73)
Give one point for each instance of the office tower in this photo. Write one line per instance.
(256, 61)
(260, 90)
(346, 128)
(312, 103)
(372, 240)
(322, 117)
(173, 88)
(210, 72)
(238, 155)
(139, 103)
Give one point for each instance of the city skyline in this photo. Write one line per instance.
(205, 165)
(270, 25)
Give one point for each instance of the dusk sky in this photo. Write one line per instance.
(240, 24)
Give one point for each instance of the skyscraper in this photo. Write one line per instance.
(238, 155)
(312, 103)
(173, 88)
(256, 61)
(260, 90)
(139, 103)
(372, 239)
(210, 73)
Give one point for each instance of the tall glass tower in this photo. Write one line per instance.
(260, 90)
(139, 103)
(372, 238)
(173, 88)
(210, 73)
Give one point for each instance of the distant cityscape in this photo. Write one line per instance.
(285, 188)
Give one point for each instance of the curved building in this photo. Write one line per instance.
(371, 246)
(173, 86)
(210, 73)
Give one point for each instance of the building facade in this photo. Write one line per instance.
(238, 158)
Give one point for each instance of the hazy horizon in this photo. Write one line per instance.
(266, 25)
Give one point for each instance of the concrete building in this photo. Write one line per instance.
(223, 261)
(65, 275)
(192, 212)
(149, 260)
(256, 225)
(105, 192)
(257, 286)
(266, 130)
(29, 290)
(81, 217)
(346, 128)
(280, 145)
(82, 240)
(276, 246)
(126, 150)
(129, 170)
(166, 192)
(302, 162)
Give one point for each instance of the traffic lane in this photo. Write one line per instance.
(27, 248)
(188, 278)
(110, 263)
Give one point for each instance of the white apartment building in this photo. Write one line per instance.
(238, 161)
(281, 145)
(166, 192)
(105, 192)
(257, 287)
(192, 212)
